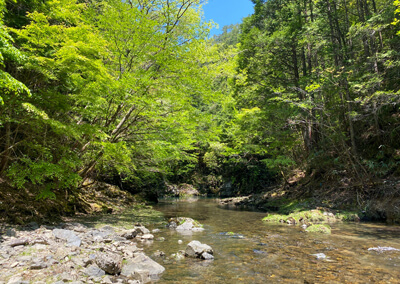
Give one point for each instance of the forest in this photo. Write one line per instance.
(137, 94)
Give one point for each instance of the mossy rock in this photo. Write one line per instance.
(320, 228)
(312, 216)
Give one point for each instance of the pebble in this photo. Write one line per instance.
(320, 255)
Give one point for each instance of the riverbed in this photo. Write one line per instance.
(248, 250)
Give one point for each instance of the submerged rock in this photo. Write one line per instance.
(324, 229)
(232, 235)
(320, 255)
(383, 249)
(180, 255)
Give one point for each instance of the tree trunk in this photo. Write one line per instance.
(7, 145)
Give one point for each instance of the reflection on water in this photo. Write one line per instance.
(269, 253)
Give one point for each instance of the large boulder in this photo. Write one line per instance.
(68, 236)
(196, 249)
(142, 263)
(111, 263)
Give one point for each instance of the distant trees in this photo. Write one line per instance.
(324, 75)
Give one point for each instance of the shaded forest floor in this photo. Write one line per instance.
(20, 206)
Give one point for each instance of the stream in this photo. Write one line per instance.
(258, 252)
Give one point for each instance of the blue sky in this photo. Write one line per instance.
(226, 12)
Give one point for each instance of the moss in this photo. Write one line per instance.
(320, 228)
(313, 216)
(275, 218)
(286, 206)
(347, 216)
(182, 220)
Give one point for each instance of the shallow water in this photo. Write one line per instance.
(260, 252)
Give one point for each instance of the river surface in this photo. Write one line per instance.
(260, 252)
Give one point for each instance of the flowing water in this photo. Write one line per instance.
(260, 252)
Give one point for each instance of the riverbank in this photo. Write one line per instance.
(97, 248)
(21, 206)
(377, 200)
(77, 253)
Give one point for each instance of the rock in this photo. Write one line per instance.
(383, 249)
(320, 255)
(180, 255)
(319, 228)
(196, 249)
(17, 280)
(98, 239)
(111, 263)
(67, 235)
(291, 221)
(11, 233)
(15, 264)
(40, 241)
(94, 271)
(184, 224)
(160, 239)
(180, 242)
(32, 226)
(139, 263)
(39, 264)
(156, 231)
(159, 253)
(99, 235)
(172, 225)
(66, 277)
(207, 256)
(137, 231)
(129, 234)
(187, 225)
(140, 276)
(19, 242)
(142, 230)
(147, 237)
(106, 280)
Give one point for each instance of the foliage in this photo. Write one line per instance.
(322, 77)
(133, 92)
(115, 90)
